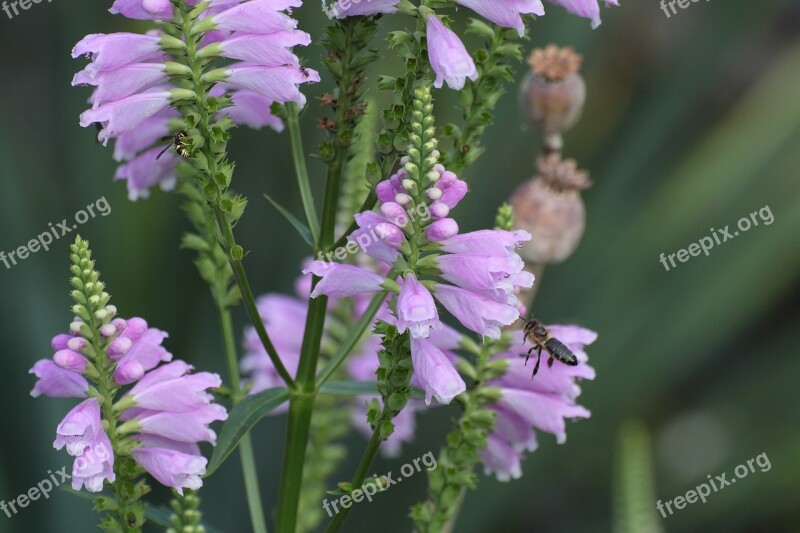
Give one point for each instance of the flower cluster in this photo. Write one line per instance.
(478, 273)
(167, 410)
(543, 403)
(448, 57)
(138, 77)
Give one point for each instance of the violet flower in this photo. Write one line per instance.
(505, 12)
(55, 382)
(416, 310)
(172, 468)
(542, 404)
(358, 8)
(589, 9)
(448, 57)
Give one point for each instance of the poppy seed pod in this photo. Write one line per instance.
(550, 207)
(553, 93)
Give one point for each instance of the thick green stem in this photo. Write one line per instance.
(293, 122)
(302, 403)
(246, 446)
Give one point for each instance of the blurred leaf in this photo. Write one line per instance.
(241, 420)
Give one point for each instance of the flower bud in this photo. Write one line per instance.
(442, 229)
(76, 344)
(390, 234)
(439, 209)
(119, 347)
(69, 360)
(550, 207)
(553, 93)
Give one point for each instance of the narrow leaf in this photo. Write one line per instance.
(241, 420)
(301, 228)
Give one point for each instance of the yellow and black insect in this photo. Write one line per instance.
(179, 142)
(541, 338)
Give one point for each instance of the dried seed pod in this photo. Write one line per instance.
(550, 207)
(553, 93)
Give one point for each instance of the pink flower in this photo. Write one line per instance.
(252, 110)
(279, 84)
(476, 312)
(186, 426)
(416, 310)
(172, 468)
(143, 9)
(486, 242)
(70, 360)
(343, 281)
(56, 382)
(115, 50)
(448, 57)
(145, 171)
(256, 16)
(94, 465)
(505, 12)
(127, 113)
(434, 372)
(354, 8)
(268, 50)
(79, 428)
(442, 229)
(543, 403)
(125, 81)
(589, 9)
(169, 388)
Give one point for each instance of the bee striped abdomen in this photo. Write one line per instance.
(558, 350)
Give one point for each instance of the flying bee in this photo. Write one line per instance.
(541, 338)
(177, 141)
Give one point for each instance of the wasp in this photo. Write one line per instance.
(177, 141)
(541, 338)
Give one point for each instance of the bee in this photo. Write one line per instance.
(177, 141)
(541, 338)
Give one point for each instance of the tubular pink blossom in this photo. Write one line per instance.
(171, 468)
(501, 459)
(486, 242)
(416, 310)
(448, 57)
(188, 426)
(171, 390)
(143, 9)
(270, 50)
(252, 110)
(435, 372)
(589, 9)
(79, 428)
(127, 113)
(145, 353)
(94, 465)
(356, 8)
(279, 84)
(476, 312)
(256, 16)
(505, 12)
(146, 171)
(115, 50)
(56, 382)
(125, 81)
(343, 281)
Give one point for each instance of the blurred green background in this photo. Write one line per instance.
(691, 122)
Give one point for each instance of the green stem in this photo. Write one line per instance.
(293, 122)
(302, 403)
(358, 478)
(246, 446)
(247, 296)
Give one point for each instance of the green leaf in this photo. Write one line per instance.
(241, 420)
(359, 388)
(301, 228)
